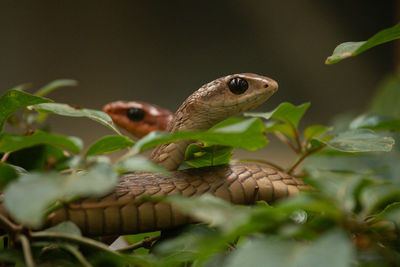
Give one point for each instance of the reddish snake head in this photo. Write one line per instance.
(138, 118)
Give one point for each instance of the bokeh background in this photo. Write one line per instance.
(161, 51)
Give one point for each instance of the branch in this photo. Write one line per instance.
(146, 243)
(286, 141)
(26, 248)
(300, 159)
(9, 225)
(72, 238)
(77, 254)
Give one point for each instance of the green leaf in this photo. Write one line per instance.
(202, 156)
(48, 88)
(385, 101)
(7, 174)
(139, 164)
(375, 122)
(350, 49)
(247, 134)
(14, 100)
(109, 144)
(314, 131)
(274, 251)
(14, 142)
(67, 227)
(212, 210)
(390, 213)
(285, 112)
(284, 128)
(28, 198)
(360, 140)
(377, 196)
(71, 111)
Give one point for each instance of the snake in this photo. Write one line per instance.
(123, 212)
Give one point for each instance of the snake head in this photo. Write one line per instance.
(223, 98)
(138, 118)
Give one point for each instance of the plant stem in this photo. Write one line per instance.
(302, 157)
(286, 141)
(77, 254)
(26, 248)
(10, 226)
(5, 157)
(300, 148)
(143, 243)
(72, 238)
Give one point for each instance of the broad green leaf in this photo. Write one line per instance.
(283, 128)
(14, 142)
(314, 131)
(247, 134)
(390, 213)
(211, 210)
(274, 251)
(203, 156)
(350, 49)
(28, 198)
(39, 157)
(385, 101)
(14, 100)
(71, 111)
(48, 88)
(285, 112)
(67, 227)
(109, 144)
(375, 122)
(139, 164)
(7, 174)
(360, 140)
(376, 196)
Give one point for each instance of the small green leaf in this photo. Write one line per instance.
(139, 164)
(14, 100)
(109, 144)
(375, 122)
(71, 111)
(247, 134)
(314, 131)
(350, 49)
(202, 156)
(7, 174)
(285, 112)
(14, 142)
(28, 198)
(67, 227)
(385, 101)
(377, 196)
(279, 252)
(48, 88)
(360, 140)
(279, 127)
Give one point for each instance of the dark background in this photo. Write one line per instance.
(161, 51)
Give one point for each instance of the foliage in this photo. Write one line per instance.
(351, 218)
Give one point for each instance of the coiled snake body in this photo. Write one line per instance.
(122, 212)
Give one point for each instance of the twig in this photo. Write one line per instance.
(9, 225)
(286, 141)
(297, 138)
(5, 157)
(72, 238)
(77, 254)
(146, 243)
(26, 248)
(300, 159)
(262, 162)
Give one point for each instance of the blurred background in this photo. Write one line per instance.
(161, 51)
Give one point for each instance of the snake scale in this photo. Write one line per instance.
(123, 212)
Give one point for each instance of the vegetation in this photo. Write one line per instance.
(352, 218)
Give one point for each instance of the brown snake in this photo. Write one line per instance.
(122, 211)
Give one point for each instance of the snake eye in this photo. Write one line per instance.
(238, 86)
(135, 114)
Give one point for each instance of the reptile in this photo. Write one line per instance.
(123, 212)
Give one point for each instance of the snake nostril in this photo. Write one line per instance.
(266, 85)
